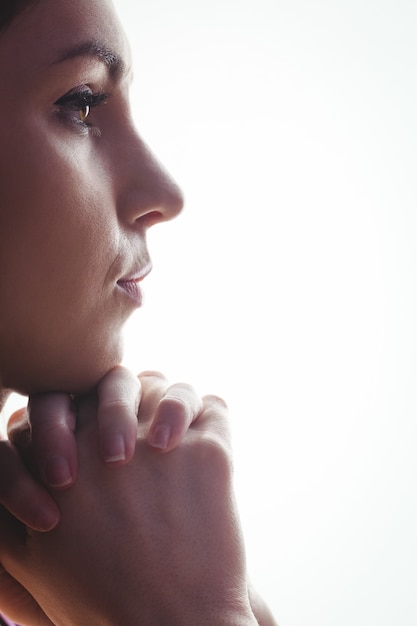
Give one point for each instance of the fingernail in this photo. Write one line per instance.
(58, 472)
(160, 436)
(114, 449)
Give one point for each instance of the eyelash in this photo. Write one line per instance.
(78, 99)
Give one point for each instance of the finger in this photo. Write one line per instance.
(21, 494)
(211, 436)
(119, 394)
(214, 419)
(15, 601)
(52, 420)
(178, 408)
(18, 604)
(153, 385)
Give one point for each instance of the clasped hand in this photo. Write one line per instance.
(155, 541)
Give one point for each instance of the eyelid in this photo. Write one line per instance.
(83, 96)
(76, 105)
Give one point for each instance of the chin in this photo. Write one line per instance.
(75, 375)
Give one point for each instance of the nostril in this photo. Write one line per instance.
(150, 219)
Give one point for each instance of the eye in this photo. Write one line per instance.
(83, 112)
(77, 104)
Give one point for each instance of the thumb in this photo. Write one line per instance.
(52, 421)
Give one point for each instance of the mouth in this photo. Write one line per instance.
(132, 289)
(130, 285)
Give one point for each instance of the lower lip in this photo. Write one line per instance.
(132, 289)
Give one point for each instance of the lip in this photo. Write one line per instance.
(131, 285)
(132, 289)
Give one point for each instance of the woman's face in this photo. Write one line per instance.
(78, 190)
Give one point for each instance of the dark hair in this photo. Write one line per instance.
(9, 9)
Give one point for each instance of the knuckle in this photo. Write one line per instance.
(55, 426)
(215, 402)
(118, 370)
(176, 408)
(51, 412)
(113, 404)
(118, 384)
(179, 389)
(211, 450)
(152, 374)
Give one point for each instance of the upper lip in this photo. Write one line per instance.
(136, 275)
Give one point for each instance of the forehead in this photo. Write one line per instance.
(50, 31)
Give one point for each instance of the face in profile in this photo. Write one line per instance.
(78, 191)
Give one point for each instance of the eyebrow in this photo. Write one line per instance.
(113, 61)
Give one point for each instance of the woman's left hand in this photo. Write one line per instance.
(156, 542)
(49, 424)
(48, 427)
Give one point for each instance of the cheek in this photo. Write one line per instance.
(57, 207)
(60, 241)
(60, 235)
(58, 326)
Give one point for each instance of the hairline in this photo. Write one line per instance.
(14, 9)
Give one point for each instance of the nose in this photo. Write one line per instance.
(147, 193)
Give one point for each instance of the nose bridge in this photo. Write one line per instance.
(146, 186)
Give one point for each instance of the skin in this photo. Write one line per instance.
(82, 196)
(78, 191)
(177, 526)
(50, 433)
(75, 205)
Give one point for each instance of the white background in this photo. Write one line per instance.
(288, 285)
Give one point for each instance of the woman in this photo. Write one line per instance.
(158, 540)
